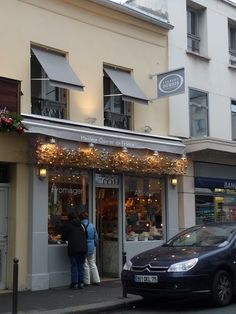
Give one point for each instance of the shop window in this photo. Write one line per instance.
(233, 119)
(198, 107)
(232, 41)
(143, 209)
(67, 192)
(218, 207)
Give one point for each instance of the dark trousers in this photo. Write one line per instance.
(77, 268)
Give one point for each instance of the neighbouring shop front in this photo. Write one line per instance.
(215, 192)
(126, 190)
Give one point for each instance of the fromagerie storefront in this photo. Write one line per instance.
(122, 179)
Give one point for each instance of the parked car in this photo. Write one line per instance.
(198, 261)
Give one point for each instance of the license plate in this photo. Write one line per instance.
(146, 278)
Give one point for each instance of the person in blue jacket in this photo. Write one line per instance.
(75, 234)
(91, 275)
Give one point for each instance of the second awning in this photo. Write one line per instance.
(127, 86)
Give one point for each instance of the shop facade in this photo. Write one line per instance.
(126, 190)
(215, 192)
(86, 85)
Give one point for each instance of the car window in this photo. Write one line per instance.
(206, 235)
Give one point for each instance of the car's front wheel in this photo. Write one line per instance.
(222, 289)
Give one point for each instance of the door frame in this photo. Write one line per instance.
(4, 247)
(116, 185)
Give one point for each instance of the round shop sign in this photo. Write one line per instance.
(171, 83)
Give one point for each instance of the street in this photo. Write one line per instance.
(174, 307)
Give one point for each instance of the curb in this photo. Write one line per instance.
(90, 308)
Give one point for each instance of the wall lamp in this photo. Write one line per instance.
(42, 173)
(147, 129)
(173, 181)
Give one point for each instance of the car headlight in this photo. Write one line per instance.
(128, 265)
(183, 266)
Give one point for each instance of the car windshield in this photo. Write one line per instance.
(204, 235)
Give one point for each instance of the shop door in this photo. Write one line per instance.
(108, 233)
(3, 236)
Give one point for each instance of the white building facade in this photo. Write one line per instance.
(203, 42)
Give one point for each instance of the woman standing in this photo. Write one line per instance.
(91, 275)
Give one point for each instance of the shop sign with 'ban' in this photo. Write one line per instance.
(171, 83)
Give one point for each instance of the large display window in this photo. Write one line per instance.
(67, 191)
(216, 205)
(143, 208)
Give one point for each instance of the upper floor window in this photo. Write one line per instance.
(192, 29)
(196, 35)
(120, 92)
(10, 92)
(232, 42)
(198, 107)
(117, 112)
(233, 116)
(51, 76)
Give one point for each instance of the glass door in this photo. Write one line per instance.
(107, 201)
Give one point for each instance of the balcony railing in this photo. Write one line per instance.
(45, 107)
(116, 120)
(193, 43)
(232, 56)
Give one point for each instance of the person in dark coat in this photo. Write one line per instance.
(75, 234)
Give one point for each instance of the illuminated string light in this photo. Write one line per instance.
(111, 158)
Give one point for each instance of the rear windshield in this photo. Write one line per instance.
(206, 235)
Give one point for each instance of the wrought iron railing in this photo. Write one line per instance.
(193, 42)
(232, 56)
(117, 120)
(45, 107)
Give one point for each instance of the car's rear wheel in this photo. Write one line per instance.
(222, 289)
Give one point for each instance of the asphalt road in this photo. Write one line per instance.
(176, 307)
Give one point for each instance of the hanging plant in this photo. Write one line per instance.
(11, 122)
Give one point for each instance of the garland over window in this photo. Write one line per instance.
(11, 122)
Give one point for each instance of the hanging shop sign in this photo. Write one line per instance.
(171, 83)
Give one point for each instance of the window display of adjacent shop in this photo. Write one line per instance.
(215, 200)
(67, 192)
(143, 210)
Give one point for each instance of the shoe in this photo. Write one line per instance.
(96, 283)
(73, 286)
(79, 286)
(86, 284)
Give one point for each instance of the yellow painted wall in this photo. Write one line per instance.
(91, 35)
(18, 223)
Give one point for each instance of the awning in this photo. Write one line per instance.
(73, 131)
(127, 86)
(58, 70)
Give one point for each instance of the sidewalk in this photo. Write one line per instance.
(91, 299)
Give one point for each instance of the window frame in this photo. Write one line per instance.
(232, 41)
(47, 106)
(126, 107)
(193, 37)
(206, 119)
(233, 114)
